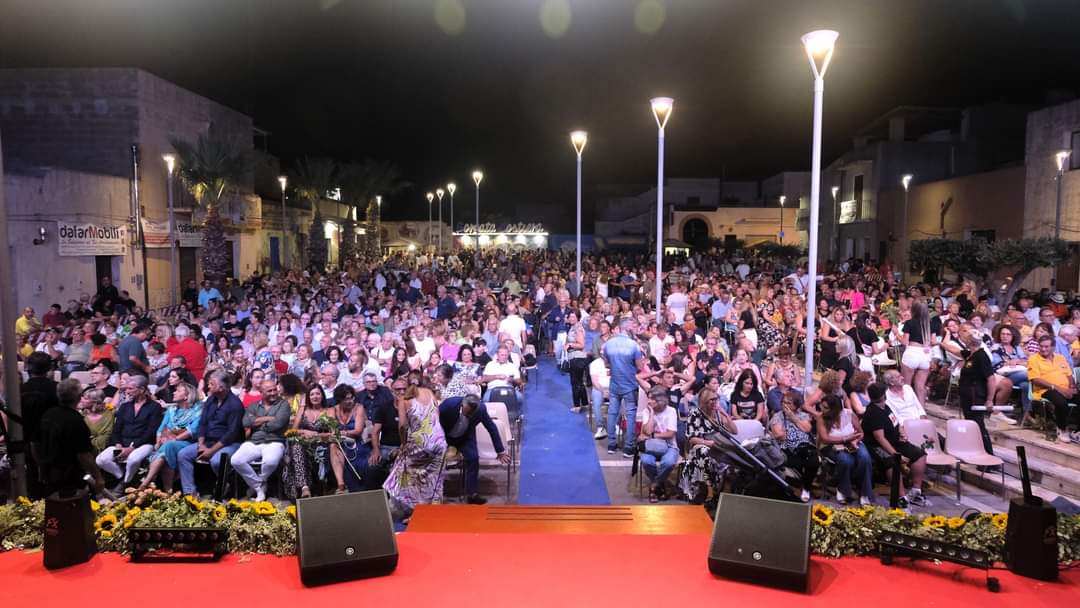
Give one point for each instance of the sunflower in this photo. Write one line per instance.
(1000, 521)
(956, 522)
(193, 502)
(291, 510)
(898, 512)
(934, 521)
(858, 511)
(105, 534)
(220, 512)
(821, 514)
(24, 501)
(95, 506)
(264, 508)
(106, 524)
(132, 515)
(239, 505)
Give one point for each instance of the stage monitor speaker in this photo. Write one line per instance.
(1031, 543)
(69, 530)
(345, 537)
(762, 541)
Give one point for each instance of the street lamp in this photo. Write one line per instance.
(451, 188)
(661, 109)
(905, 181)
(170, 166)
(836, 224)
(378, 224)
(578, 139)
(430, 240)
(819, 47)
(477, 177)
(439, 192)
(782, 199)
(1060, 157)
(284, 227)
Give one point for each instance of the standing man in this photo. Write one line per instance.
(623, 358)
(131, 351)
(267, 418)
(514, 326)
(64, 449)
(38, 397)
(220, 431)
(459, 417)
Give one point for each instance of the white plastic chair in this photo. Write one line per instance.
(485, 447)
(748, 429)
(497, 411)
(964, 442)
(923, 433)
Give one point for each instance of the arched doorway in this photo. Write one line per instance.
(695, 232)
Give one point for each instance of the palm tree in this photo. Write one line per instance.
(209, 168)
(314, 177)
(361, 182)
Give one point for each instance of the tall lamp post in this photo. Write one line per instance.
(378, 224)
(430, 239)
(451, 188)
(1060, 158)
(477, 177)
(905, 181)
(782, 199)
(439, 192)
(578, 139)
(819, 47)
(170, 166)
(661, 109)
(836, 224)
(284, 227)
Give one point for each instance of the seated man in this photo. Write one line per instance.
(501, 372)
(459, 417)
(660, 453)
(885, 438)
(901, 398)
(134, 432)
(1052, 379)
(220, 432)
(385, 437)
(267, 418)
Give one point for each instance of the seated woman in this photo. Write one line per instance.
(99, 419)
(746, 400)
(792, 426)
(741, 361)
(308, 448)
(177, 429)
(701, 473)
(838, 428)
(416, 476)
(351, 420)
(829, 384)
(1010, 360)
(858, 398)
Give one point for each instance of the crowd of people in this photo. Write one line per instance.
(374, 375)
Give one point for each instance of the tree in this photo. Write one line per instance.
(314, 178)
(360, 183)
(210, 168)
(771, 249)
(1004, 263)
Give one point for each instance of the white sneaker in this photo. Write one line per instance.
(1064, 437)
(600, 433)
(865, 502)
(840, 498)
(1002, 418)
(260, 493)
(804, 496)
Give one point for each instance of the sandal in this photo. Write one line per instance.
(341, 490)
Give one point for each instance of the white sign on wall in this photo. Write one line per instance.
(849, 211)
(91, 239)
(189, 235)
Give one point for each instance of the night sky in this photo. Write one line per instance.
(443, 86)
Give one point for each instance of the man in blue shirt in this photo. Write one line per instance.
(207, 293)
(220, 431)
(447, 306)
(623, 358)
(131, 352)
(459, 417)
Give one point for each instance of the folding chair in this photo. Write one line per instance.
(923, 433)
(964, 442)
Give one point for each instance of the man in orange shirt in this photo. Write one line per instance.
(1052, 379)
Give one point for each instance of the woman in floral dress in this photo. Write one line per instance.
(417, 474)
(701, 472)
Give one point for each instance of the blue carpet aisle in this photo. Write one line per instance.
(558, 459)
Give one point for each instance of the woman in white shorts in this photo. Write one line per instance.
(919, 336)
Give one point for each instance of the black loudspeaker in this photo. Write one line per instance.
(1031, 543)
(762, 541)
(69, 530)
(345, 537)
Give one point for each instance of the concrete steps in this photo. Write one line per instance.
(1054, 467)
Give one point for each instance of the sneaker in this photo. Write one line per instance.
(804, 495)
(865, 502)
(627, 454)
(902, 502)
(476, 499)
(611, 450)
(1065, 436)
(916, 498)
(840, 498)
(260, 493)
(600, 434)
(1002, 418)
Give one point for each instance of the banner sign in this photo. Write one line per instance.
(849, 211)
(156, 234)
(518, 228)
(189, 235)
(91, 239)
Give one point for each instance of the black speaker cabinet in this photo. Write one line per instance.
(345, 537)
(761, 541)
(69, 530)
(1031, 543)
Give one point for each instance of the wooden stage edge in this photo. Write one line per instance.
(523, 519)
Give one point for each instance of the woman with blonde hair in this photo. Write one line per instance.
(176, 432)
(701, 472)
(98, 417)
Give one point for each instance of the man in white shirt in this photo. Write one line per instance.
(799, 280)
(677, 301)
(501, 372)
(659, 429)
(901, 398)
(743, 270)
(423, 343)
(514, 326)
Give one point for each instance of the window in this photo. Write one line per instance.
(1074, 158)
(693, 200)
(856, 195)
(986, 235)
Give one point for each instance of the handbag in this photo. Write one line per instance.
(656, 447)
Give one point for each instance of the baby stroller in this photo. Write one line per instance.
(754, 469)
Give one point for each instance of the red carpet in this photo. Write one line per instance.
(480, 570)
